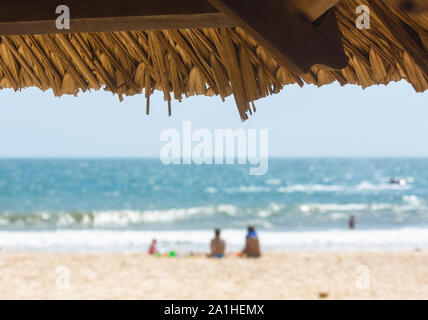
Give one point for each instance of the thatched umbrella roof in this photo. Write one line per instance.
(213, 61)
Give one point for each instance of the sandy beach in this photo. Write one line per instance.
(295, 275)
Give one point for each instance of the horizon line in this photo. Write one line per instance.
(158, 158)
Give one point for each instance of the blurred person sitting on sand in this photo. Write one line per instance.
(217, 245)
(152, 249)
(252, 245)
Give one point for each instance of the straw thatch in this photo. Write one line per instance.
(217, 61)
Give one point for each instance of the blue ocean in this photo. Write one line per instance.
(300, 204)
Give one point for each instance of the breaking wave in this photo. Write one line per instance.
(271, 216)
(112, 218)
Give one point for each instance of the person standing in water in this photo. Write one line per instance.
(252, 245)
(352, 223)
(217, 245)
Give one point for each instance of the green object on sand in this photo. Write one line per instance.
(172, 254)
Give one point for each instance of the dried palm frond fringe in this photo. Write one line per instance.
(215, 61)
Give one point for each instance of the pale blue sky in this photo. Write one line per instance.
(331, 121)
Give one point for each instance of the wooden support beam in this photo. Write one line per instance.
(291, 39)
(313, 9)
(38, 17)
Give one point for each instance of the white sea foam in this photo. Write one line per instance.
(210, 190)
(310, 188)
(133, 217)
(270, 210)
(367, 186)
(247, 189)
(273, 182)
(198, 240)
(119, 219)
(410, 204)
(362, 187)
(323, 207)
(112, 218)
(412, 200)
